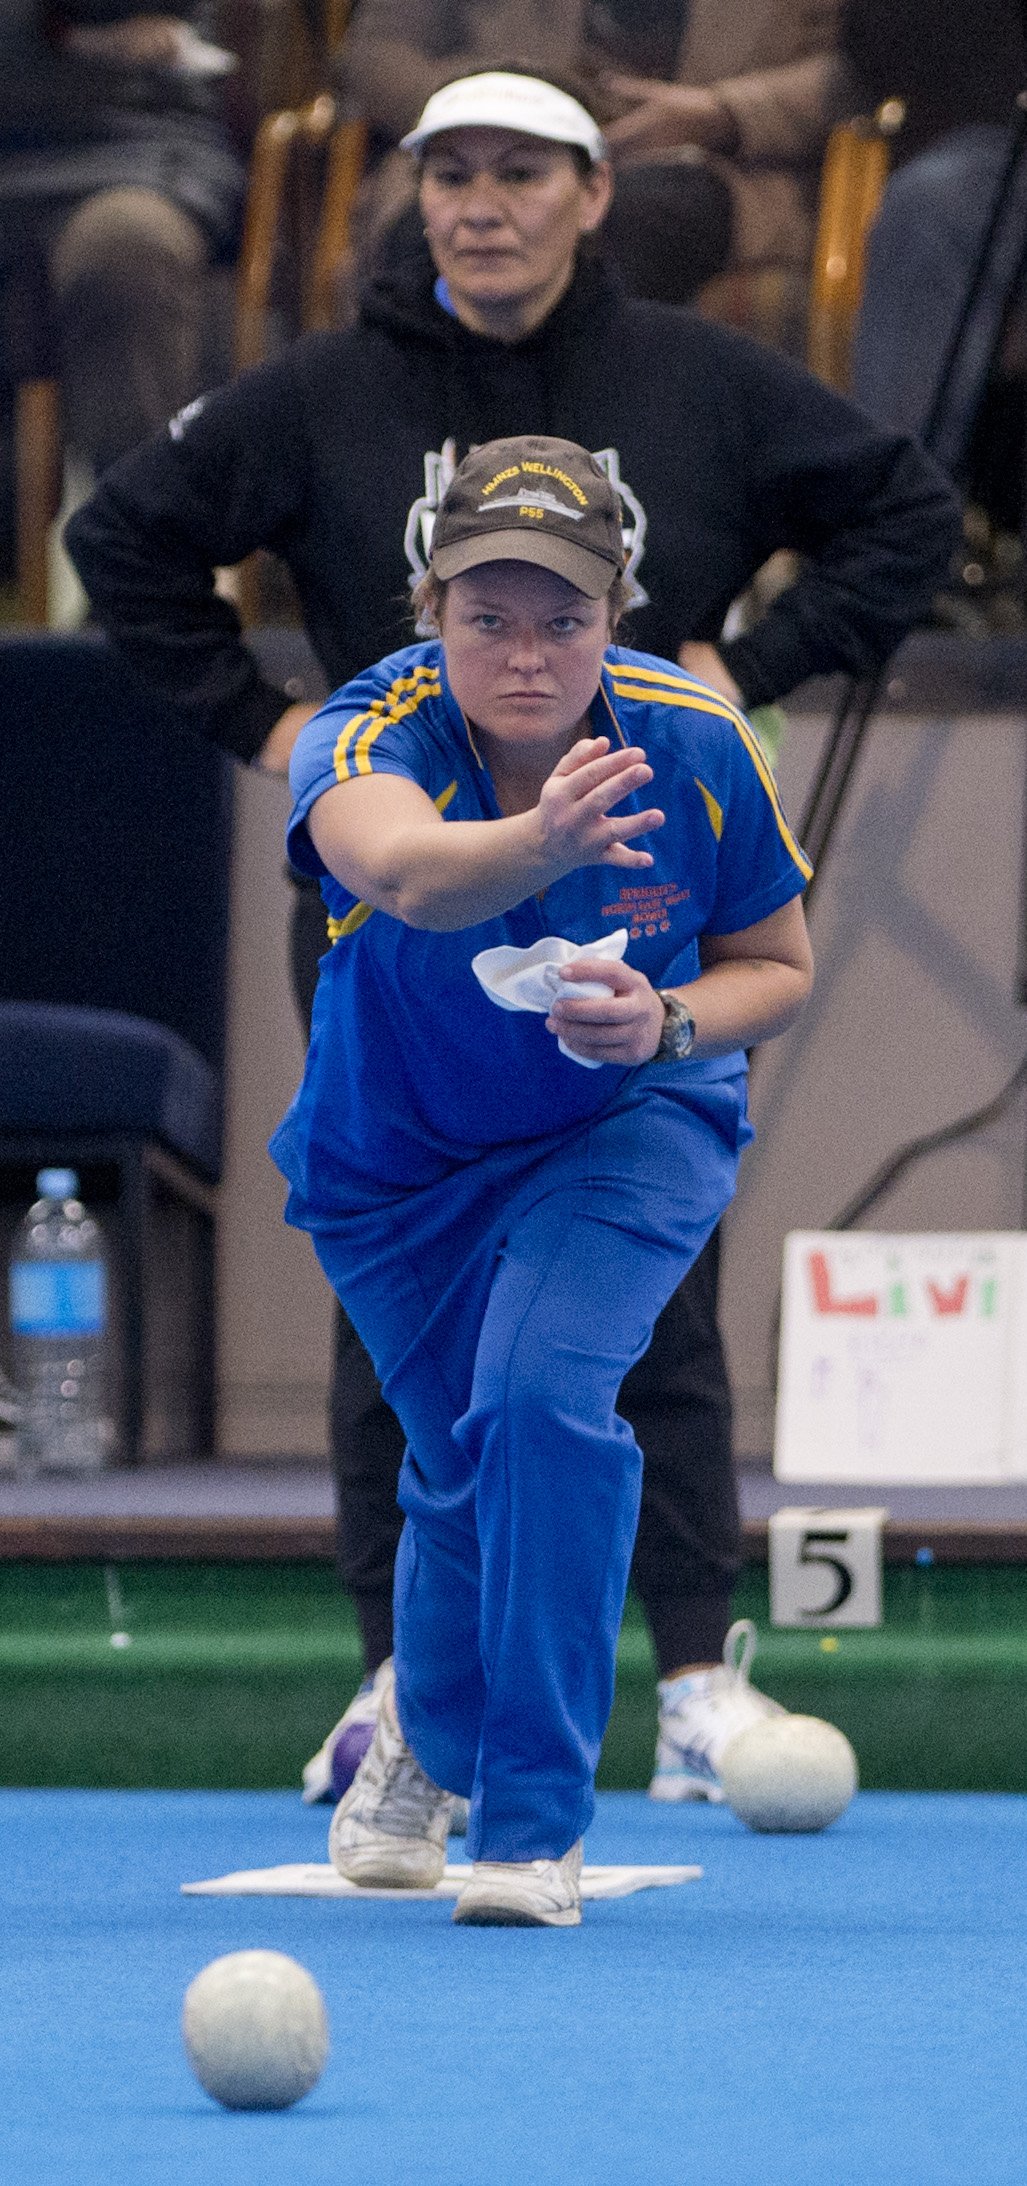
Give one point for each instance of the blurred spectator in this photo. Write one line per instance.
(119, 187)
(958, 72)
(716, 115)
(958, 75)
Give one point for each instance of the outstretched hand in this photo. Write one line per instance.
(623, 1026)
(574, 809)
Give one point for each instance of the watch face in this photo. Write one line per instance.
(678, 1033)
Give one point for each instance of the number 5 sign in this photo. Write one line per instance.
(825, 1567)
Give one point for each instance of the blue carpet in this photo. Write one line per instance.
(835, 2011)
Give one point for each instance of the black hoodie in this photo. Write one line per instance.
(72, 125)
(332, 456)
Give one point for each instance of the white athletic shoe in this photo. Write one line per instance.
(523, 1893)
(390, 1830)
(700, 1714)
(330, 1771)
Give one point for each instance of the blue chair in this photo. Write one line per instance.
(114, 903)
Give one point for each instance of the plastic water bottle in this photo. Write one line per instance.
(60, 1344)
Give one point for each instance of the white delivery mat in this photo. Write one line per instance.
(300, 1881)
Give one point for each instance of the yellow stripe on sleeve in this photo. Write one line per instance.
(361, 749)
(723, 709)
(342, 743)
(422, 683)
(675, 694)
(361, 762)
(758, 757)
(662, 676)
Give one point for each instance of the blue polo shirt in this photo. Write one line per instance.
(411, 1068)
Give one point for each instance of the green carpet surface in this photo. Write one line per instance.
(219, 1675)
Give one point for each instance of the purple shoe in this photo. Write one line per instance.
(329, 1774)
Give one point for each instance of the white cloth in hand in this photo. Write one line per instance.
(529, 979)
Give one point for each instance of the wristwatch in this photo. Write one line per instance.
(678, 1036)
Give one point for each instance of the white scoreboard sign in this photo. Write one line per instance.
(903, 1358)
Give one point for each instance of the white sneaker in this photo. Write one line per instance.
(700, 1713)
(523, 1893)
(330, 1771)
(390, 1830)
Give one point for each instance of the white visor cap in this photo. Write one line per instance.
(497, 100)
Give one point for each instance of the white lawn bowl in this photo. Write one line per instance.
(789, 1773)
(255, 2030)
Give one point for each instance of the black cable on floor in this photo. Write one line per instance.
(929, 1143)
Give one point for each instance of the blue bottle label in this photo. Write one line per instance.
(58, 1298)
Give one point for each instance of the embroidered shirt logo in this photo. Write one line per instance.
(647, 910)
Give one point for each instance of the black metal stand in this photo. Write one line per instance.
(1001, 261)
(858, 703)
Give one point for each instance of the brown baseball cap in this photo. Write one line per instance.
(536, 500)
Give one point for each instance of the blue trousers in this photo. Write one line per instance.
(503, 1306)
